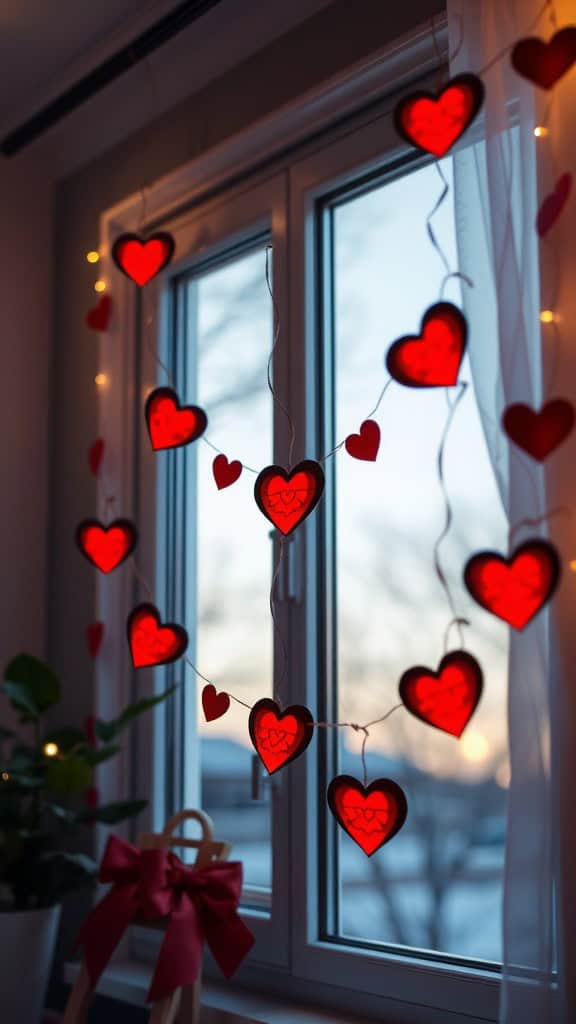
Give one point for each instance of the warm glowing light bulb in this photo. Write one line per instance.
(547, 316)
(50, 749)
(101, 380)
(573, 565)
(92, 256)
(540, 131)
(475, 747)
(5, 776)
(100, 285)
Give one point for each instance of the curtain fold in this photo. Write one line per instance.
(496, 202)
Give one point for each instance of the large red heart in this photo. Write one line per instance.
(279, 736)
(539, 433)
(432, 358)
(553, 204)
(150, 642)
(95, 454)
(544, 63)
(214, 704)
(287, 498)
(106, 546)
(171, 425)
(141, 259)
(364, 445)
(448, 698)
(98, 317)
(435, 123)
(94, 637)
(515, 588)
(225, 473)
(371, 815)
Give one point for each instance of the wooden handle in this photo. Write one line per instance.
(205, 822)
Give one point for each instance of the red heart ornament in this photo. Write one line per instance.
(448, 698)
(98, 317)
(431, 359)
(171, 425)
(214, 704)
(514, 589)
(553, 204)
(225, 473)
(150, 642)
(141, 259)
(539, 433)
(106, 546)
(371, 815)
(95, 454)
(544, 63)
(279, 736)
(94, 637)
(432, 123)
(287, 498)
(364, 445)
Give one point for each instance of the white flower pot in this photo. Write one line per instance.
(27, 940)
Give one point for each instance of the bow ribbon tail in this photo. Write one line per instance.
(180, 955)
(228, 938)
(105, 926)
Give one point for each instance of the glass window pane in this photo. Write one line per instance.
(437, 885)
(230, 328)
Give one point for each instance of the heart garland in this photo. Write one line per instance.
(286, 498)
(364, 445)
(279, 736)
(171, 425)
(431, 359)
(141, 259)
(98, 318)
(371, 815)
(448, 698)
(226, 473)
(152, 643)
(434, 124)
(214, 704)
(545, 63)
(514, 589)
(539, 433)
(106, 547)
(553, 204)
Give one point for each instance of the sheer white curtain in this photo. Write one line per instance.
(496, 200)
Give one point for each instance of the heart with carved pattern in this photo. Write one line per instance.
(214, 704)
(286, 498)
(171, 425)
(371, 815)
(434, 124)
(106, 546)
(152, 643)
(539, 433)
(514, 589)
(448, 698)
(141, 259)
(279, 736)
(431, 359)
(545, 63)
(364, 445)
(225, 473)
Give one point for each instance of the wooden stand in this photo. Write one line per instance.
(183, 1006)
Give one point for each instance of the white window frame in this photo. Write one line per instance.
(283, 163)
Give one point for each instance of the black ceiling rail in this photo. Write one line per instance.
(162, 31)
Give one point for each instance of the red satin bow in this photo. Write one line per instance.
(200, 906)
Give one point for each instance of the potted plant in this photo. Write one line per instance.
(47, 798)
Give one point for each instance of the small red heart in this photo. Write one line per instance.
(225, 473)
(553, 204)
(95, 453)
(151, 643)
(94, 637)
(287, 498)
(171, 425)
(514, 589)
(364, 445)
(371, 815)
(431, 359)
(544, 63)
(539, 433)
(98, 317)
(214, 704)
(278, 746)
(448, 698)
(141, 259)
(106, 546)
(435, 123)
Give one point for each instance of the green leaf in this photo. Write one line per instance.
(20, 698)
(94, 756)
(37, 678)
(71, 775)
(111, 814)
(22, 759)
(62, 813)
(77, 860)
(106, 731)
(66, 738)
